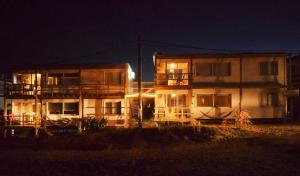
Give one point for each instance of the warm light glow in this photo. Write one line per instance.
(143, 95)
(131, 74)
(172, 65)
(173, 95)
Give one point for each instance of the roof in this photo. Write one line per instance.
(70, 66)
(208, 55)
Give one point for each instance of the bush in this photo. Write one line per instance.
(93, 124)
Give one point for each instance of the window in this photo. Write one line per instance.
(178, 100)
(268, 68)
(55, 108)
(222, 100)
(222, 69)
(213, 69)
(216, 100)
(113, 78)
(71, 108)
(55, 79)
(204, 69)
(264, 68)
(175, 74)
(204, 100)
(113, 107)
(269, 99)
(274, 68)
(71, 79)
(64, 108)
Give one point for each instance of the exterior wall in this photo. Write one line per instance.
(252, 103)
(215, 112)
(235, 70)
(263, 96)
(251, 72)
(60, 116)
(94, 88)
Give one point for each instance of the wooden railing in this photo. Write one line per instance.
(172, 78)
(19, 120)
(172, 114)
(76, 90)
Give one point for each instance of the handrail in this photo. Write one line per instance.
(95, 89)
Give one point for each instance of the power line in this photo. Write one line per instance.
(177, 45)
(103, 51)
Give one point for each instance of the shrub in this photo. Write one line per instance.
(93, 124)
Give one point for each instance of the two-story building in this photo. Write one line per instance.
(43, 95)
(217, 86)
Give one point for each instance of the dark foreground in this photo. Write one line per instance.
(275, 152)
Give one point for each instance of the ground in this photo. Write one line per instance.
(261, 150)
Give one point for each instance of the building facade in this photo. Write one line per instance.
(41, 96)
(217, 86)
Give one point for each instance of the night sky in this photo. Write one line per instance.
(51, 32)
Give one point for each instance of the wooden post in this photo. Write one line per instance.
(140, 114)
(240, 86)
(5, 107)
(36, 126)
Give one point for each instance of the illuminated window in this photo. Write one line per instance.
(64, 108)
(204, 100)
(71, 108)
(55, 79)
(179, 100)
(113, 107)
(55, 108)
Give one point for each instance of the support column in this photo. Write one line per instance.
(36, 117)
(241, 86)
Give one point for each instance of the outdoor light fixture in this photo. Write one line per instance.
(173, 95)
(172, 65)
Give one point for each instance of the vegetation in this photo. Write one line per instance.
(213, 150)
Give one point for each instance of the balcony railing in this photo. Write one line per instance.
(173, 79)
(76, 90)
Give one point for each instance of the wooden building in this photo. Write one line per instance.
(217, 86)
(43, 95)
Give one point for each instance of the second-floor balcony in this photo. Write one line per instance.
(173, 79)
(86, 90)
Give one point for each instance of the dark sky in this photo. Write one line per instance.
(48, 31)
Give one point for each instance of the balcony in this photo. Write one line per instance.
(74, 91)
(173, 79)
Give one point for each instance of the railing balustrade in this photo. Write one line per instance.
(76, 90)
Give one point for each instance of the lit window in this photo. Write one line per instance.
(64, 108)
(176, 101)
(55, 108)
(71, 108)
(113, 107)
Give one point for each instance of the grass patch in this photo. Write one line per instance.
(168, 151)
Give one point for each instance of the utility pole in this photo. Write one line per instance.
(140, 109)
